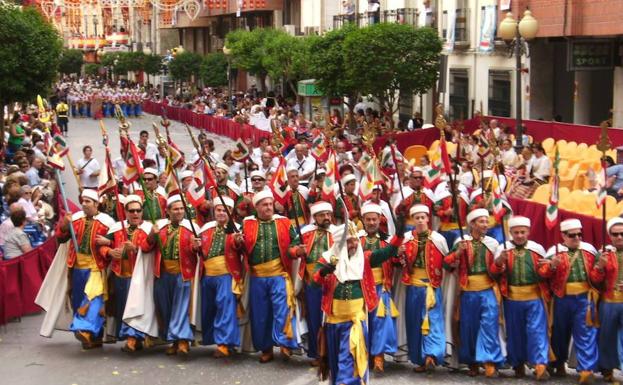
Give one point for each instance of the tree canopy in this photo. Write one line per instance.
(213, 70)
(71, 61)
(30, 52)
(185, 66)
(248, 51)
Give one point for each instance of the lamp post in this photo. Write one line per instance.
(95, 27)
(230, 102)
(516, 35)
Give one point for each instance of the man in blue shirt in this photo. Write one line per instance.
(614, 173)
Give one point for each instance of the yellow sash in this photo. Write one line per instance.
(172, 266)
(96, 284)
(215, 266)
(377, 272)
(85, 261)
(576, 288)
(310, 267)
(272, 268)
(479, 282)
(352, 311)
(448, 226)
(617, 297)
(524, 293)
(417, 277)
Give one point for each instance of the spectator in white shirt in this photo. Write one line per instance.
(25, 201)
(7, 224)
(150, 149)
(509, 156)
(88, 169)
(539, 168)
(466, 177)
(302, 163)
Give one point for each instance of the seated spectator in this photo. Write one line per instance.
(27, 203)
(7, 225)
(33, 172)
(17, 242)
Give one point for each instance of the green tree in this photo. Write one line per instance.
(30, 52)
(328, 65)
(92, 69)
(392, 59)
(185, 66)
(248, 51)
(71, 61)
(287, 58)
(213, 70)
(151, 65)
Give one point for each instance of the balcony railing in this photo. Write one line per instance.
(408, 16)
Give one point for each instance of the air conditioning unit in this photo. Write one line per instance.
(290, 29)
(312, 31)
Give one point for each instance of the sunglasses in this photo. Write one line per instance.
(574, 235)
(614, 235)
(256, 180)
(148, 179)
(135, 211)
(417, 177)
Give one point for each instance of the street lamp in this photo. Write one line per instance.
(516, 35)
(95, 27)
(230, 102)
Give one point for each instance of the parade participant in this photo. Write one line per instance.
(486, 200)
(154, 206)
(387, 220)
(526, 295)
(317, 239)
(417, 193)
(383, 336)
(174, 267)
(121, 246)
(87, 268)
(345, 273)
(221, 283)
(349, 184)
(296, 206)
(610, 269)
(572, 271)
(422, 271)
(268, 242)
(225, 186)
(62, 118)
(445, 210)
(479, 309)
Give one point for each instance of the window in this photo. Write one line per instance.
(459, 94)
(500, 93)
(461, 32)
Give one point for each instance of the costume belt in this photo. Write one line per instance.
(617, 297)
(419, 278)
(85, 261)
(478, 282)
(126, 268)
(271, 268)
(215, 266)
(377, 273)
(448, 226)
(352, 311)
(310, 268)
(524, 293)
(172, 266)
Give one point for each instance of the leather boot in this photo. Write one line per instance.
(221, 351)
(490, 370)
(130, 345)
(541, 373)
(286, 353)
(474, 370)
(379, 363)
(608, 375)
(520, 371)
(586, 377)
(183, 347)
(172, 350)
(266, 356)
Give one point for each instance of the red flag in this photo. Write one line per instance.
(445, 158)
(129, 153)
(279, 183)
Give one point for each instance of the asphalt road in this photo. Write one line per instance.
(26, 358)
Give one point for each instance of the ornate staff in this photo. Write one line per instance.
(604, 145)
(108, 157)
(218, 193)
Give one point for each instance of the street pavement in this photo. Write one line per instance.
(26, 358)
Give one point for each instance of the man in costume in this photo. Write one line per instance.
(345, 273)
(225, 186)
(87, 268)
(296, 206)
(479, 308)
(416, 193)
(383, 336)
(422, 272)
(268, 242)
(349, 184)
(174, 267)
(221, 282)
(610, 269)
(518, 264)
(121, 246)
(154, 207)
(317, 239)
(486, 199)
(572, 271)
(448, 215)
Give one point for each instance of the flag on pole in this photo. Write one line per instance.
(107, 179)
(129, 153)
(241, 152)
(176, 155)
(279, 183)
(498, 207)
(445, 157)
(551, 213)
(171, 185)
(372, 177)
(328, 186)
(197, 188)
(319, 148)
(432, 177)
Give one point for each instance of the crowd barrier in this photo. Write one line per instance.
(21, 278)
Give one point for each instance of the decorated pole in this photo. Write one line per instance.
(61, 187)
(211, 167)
(116, 188)
(603, 145)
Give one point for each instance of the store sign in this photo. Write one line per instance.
(590, 54)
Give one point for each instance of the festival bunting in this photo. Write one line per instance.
(551, 213)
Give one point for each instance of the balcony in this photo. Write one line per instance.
(461, 27)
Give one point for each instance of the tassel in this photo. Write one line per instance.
(425, 325)
(82, 310)
(394, 310)
(380, 310)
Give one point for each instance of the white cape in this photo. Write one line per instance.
(140, 308)
(53, 296)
